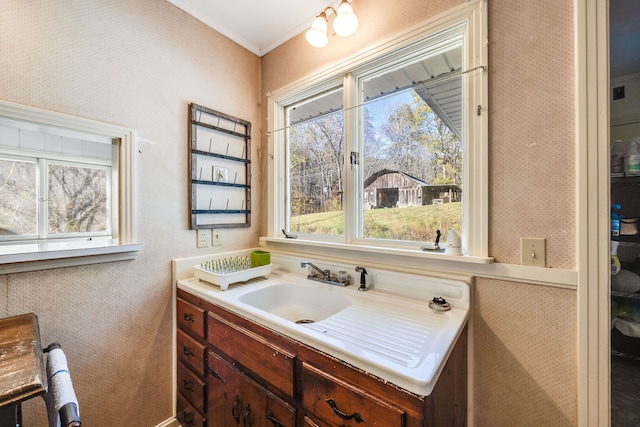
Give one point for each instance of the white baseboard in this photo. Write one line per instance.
(171, 422)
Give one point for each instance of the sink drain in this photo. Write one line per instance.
(304, 321)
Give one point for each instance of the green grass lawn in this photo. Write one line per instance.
(412, 223)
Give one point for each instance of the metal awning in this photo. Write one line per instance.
(436, 79)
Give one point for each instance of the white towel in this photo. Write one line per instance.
(60, 387)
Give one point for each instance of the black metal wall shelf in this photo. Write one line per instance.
(220, 169)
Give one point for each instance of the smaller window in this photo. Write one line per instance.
(66, 190)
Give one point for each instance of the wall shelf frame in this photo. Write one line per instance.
(219, 169)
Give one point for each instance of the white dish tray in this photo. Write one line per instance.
(224, 280)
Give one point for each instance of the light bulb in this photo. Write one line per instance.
(317, 34)
(346, 22)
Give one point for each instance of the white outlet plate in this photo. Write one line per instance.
(533, 251)
(203, 238)
(216, 238)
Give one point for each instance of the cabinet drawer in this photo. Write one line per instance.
(191, 352)
(187, 416)
(336, 402)
(191, 387)
(268, 362)
(191, 318)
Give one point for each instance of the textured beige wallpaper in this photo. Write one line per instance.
(525, 361)
(137, 64)
(531, 129)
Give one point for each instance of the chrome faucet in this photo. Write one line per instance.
(324, 275)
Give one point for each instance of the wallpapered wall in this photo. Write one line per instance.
(137, 64)
(525, 369)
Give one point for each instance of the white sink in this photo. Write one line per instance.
(296, 302)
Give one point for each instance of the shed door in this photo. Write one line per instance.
(387, 197)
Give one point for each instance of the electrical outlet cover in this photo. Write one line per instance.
(203, 238)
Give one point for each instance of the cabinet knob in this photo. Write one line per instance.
(187, 385)
(355, 416)
(188, 418)
(189, 317)
(187, 351)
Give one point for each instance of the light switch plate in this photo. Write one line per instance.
(533, 251)
(216, 238)
(203, 238)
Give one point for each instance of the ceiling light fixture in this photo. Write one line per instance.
(345, 24)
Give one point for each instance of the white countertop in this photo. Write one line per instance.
(397, 338)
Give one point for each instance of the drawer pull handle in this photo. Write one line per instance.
(355, 416)
(234, 410)
(274, 420)
(215, 374)
(189, 317)
(187, 385)
(247, 420)
(188, 418)
(187, 351)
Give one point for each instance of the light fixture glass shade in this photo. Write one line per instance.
(346, 22)
(317, 34)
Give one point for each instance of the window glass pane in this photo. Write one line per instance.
(77, 199)
(412, 149)
(18, 197)
(316, 157)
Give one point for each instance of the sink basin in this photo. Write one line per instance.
(297, 303)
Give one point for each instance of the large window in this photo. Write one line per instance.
(391, 148)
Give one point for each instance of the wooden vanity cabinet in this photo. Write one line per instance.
(256, 377)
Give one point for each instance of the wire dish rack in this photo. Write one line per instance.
(223, 271)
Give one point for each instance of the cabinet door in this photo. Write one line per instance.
(331, 400)
(235, 400)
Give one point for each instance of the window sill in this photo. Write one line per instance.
(414, 253)
(17, 258)
(425, 262)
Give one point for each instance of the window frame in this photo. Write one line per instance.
(121, 244)
(470, 21)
